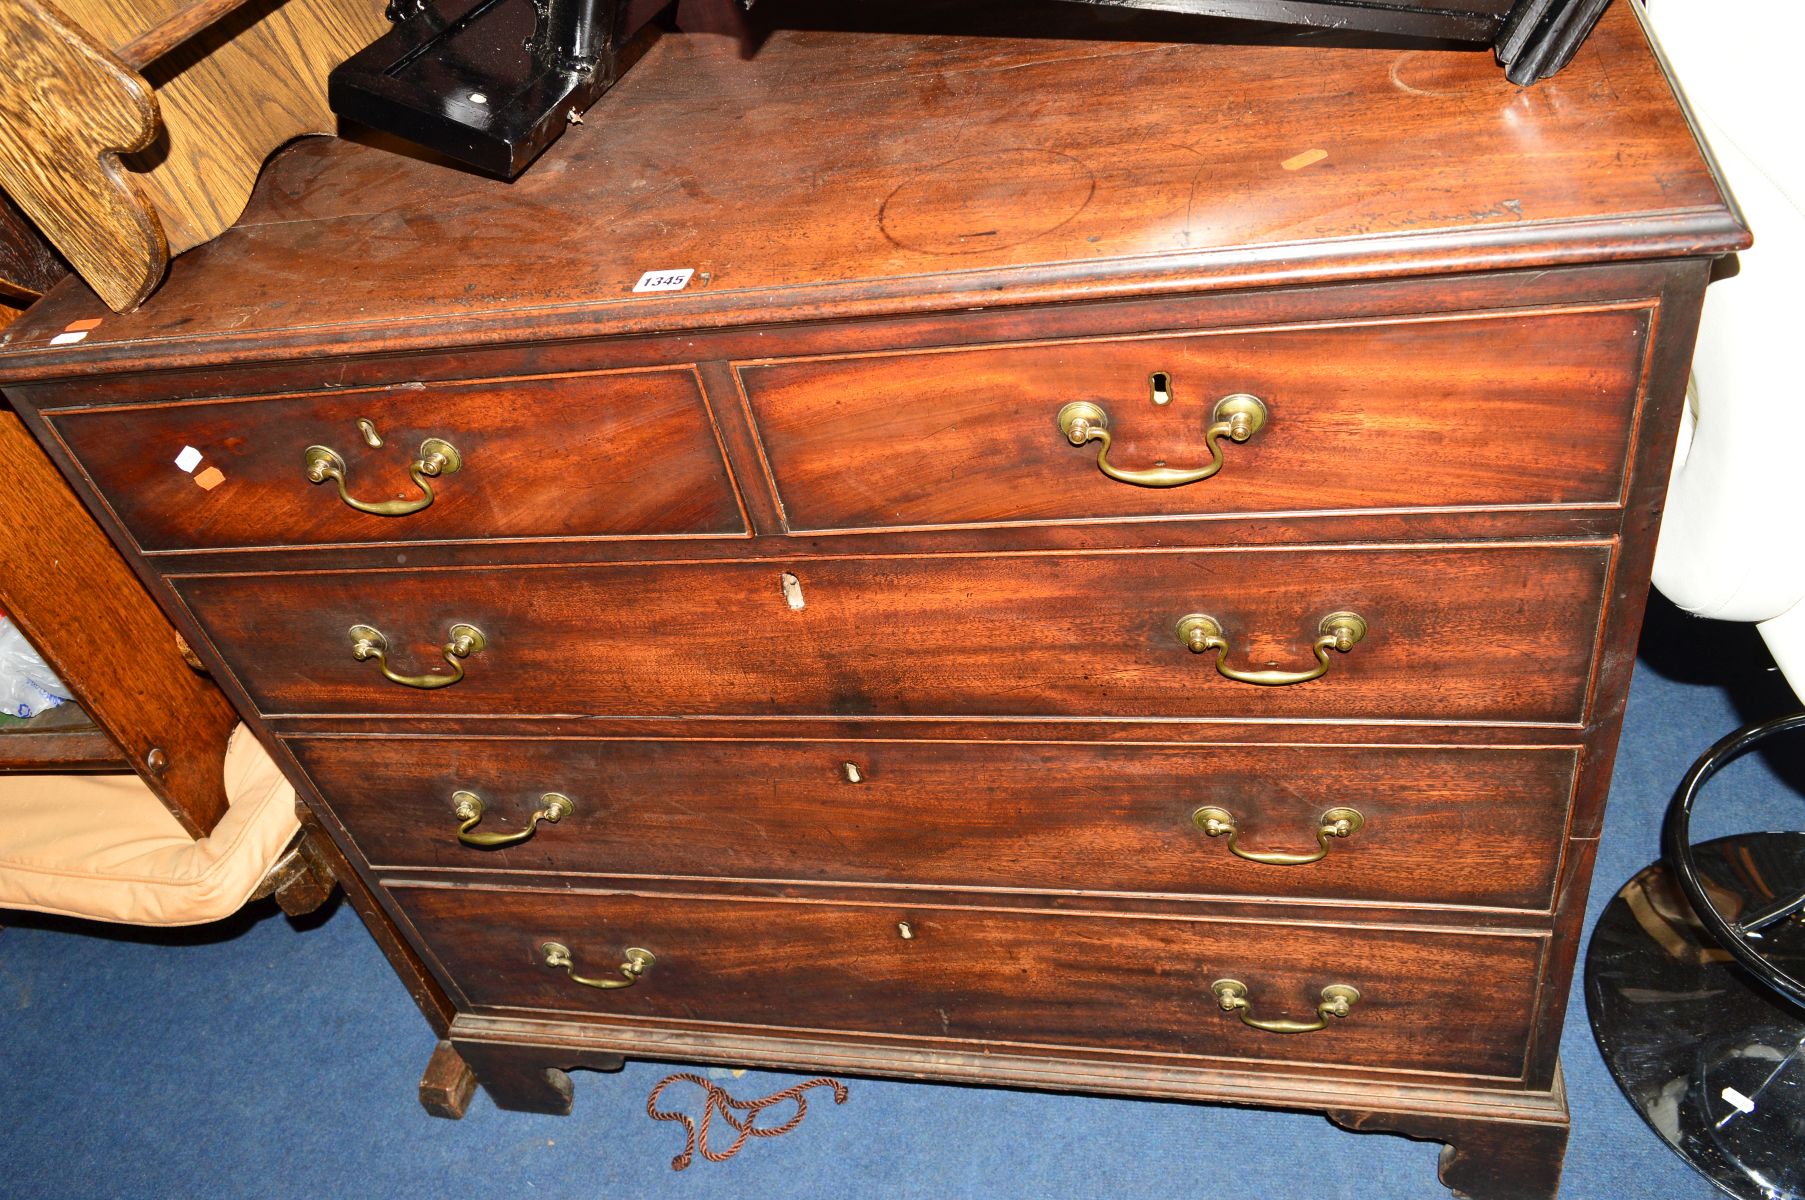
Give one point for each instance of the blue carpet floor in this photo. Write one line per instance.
(268, 1058)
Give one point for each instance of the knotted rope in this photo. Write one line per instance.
(719, 1101)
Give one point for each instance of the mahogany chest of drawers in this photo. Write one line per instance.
(1114, 570)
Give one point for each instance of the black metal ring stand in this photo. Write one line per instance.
(1676, 848)
(1701, 1017)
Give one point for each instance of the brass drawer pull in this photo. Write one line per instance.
(556, 954)
(468, 808)
(1336, 823)
(1338, 631)
(1338, 999)
(466, 640)
(1236, 417)
(437, 457)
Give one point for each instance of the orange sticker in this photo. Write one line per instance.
(211, 478)
(90, 323)
(1307, 158)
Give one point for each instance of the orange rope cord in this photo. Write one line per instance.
(718, 1100)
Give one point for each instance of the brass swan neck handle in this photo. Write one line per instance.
(1338, 999)
(1237, 418)
(1335, 823)
(437, 457)
(368, 642)
(468, 808)
(557, 956)
(1339, 631)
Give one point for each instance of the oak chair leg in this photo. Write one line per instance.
(1480, 1159)
(301, 880)
(448, 1084)
(517, 1077)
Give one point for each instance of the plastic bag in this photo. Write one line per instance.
(27, 686)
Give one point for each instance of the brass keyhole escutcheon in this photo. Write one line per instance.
(1159, 388)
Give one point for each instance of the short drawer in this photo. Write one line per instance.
(1444, 413)
(623, 454)
(1436, 825)
(1479, 633)
(1441, 1001)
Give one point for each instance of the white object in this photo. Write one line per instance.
(664, 281)
(27, 685)
(1738, 1101)
(1733, 540)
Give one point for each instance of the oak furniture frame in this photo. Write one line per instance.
(78, 602)
(132, 130)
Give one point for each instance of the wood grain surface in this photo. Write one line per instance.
(1443, 825)
(68, 110)
(57, 741)
(1457, 413)
(1469, 306)
(447, 1086)
(76, 599)
(170, 30)
(1487, 633)
(631, 454)
(124, 163)
(1429, 1001)
(1487, 1160)
(29, 265)
(922, 181)
(231, 95)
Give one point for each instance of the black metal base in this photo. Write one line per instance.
(490, 83)
(1542, 36)
(1533, 40)
(1712, 1060)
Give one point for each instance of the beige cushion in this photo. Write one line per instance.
(105, 848)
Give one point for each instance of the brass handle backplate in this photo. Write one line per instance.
(437, 457)
(1339, 631)
(468, 808)
(1236, 417)
(1336, 823)
(557, 955)
(1338, 999)
(367, 643)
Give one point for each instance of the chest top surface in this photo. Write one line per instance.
(850, 172)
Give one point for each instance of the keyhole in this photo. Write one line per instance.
(792, 591)
(1160, 385)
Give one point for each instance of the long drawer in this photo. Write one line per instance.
(1446, 412)
(1477, 633)
(618, 454)
(1435, 825)
(1427, 1001)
